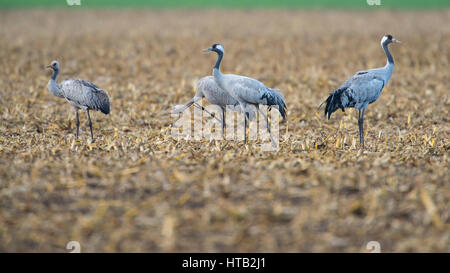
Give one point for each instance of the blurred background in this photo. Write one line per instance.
(138, 189)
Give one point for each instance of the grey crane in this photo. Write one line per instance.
(246, 91)
(362, 89)
(208, 88)
(80, 94)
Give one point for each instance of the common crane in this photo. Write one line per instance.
(80, 94)
(362, 89)
(208, 88)
(246, 91)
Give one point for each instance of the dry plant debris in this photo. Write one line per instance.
(137, 189)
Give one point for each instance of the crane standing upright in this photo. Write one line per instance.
(362, 89)
(80, 94)
(247, 91)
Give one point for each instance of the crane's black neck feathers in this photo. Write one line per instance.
(219, 59)
(388, 53)
(55, 73)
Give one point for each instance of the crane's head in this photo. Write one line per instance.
(54, 65)
(218, 48)
(387, 39)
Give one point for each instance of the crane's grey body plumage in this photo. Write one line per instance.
(247, 91)
(208, 88)
(85, 95)
(80, 94)
(362, 89)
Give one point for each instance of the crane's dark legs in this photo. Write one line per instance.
(223, 121)
(204, 109)
(267, 122)
(265, 117)
(246, 117)
(90, 124)
(361, 126)
(77, 122)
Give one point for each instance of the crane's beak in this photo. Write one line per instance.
(207, 49)
(48, 66)
(396, 41)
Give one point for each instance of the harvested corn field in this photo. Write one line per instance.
(137, 189)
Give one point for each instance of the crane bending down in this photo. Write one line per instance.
(362, 89)
(208, 88)
(80, 94)
(247, 91)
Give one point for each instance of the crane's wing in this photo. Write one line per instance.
(364, 87)
(85, 95)
(361, 89)
(255, 92)
(248, 89)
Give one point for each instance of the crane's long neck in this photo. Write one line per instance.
(216, 71)
(54, 87)
(390, 62)
(55, 74)
(219, 60)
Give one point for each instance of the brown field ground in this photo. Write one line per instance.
(138, 189)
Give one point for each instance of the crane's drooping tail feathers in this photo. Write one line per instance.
(336, 100)
(102, 102)
(99, 99)
(105, 109)
(275, 98)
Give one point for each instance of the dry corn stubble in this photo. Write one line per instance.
(137, 189)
